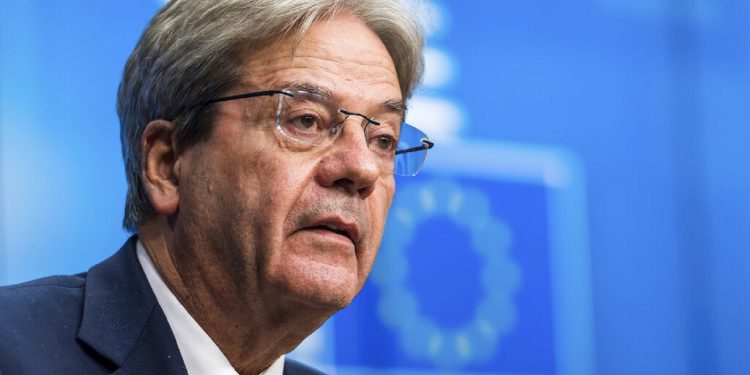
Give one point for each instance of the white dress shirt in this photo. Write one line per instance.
(201, 355)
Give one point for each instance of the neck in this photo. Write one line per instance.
(251, 327)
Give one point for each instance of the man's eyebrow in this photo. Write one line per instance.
(307, 86)
(395, 105)
(391, 105)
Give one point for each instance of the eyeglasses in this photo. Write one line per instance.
(313, 120)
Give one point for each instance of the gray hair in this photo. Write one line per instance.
(195, 50)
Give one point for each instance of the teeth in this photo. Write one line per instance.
(333, 227)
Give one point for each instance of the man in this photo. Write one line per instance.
(260, 140)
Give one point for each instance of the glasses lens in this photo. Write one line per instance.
(309, 118)
(412, 151)
(306, 117)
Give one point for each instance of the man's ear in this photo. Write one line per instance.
(159, 167)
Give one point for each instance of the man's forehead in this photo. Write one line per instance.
(327, 75)
(343, 46)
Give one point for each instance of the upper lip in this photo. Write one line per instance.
(348, 227)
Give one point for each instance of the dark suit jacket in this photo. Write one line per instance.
(100, 322)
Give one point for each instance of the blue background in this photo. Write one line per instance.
(445, 274)
(651, 96)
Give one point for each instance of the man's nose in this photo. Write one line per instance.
(349, 164)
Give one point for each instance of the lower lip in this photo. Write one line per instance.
(329, 234)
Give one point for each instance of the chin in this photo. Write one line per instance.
(319, 285)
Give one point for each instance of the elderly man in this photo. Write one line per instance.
(260, 140)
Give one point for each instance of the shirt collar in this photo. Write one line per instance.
(199, 352)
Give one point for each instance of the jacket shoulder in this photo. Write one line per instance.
(71, 281)
(38, 314)
(47, 297)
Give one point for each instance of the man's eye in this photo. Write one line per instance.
(306, 123)
(384, 143)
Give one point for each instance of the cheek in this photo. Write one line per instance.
(245, 184)
(275, 190)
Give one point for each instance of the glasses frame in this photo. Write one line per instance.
(426, 143)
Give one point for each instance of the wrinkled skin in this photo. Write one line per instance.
(237, 238)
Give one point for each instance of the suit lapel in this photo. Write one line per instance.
(122, 320)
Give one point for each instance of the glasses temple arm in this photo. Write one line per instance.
(242, 96)
(426, 145)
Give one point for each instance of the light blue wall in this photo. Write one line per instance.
(646, 100)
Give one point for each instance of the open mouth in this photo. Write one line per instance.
(335, 227)
(332, 228)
